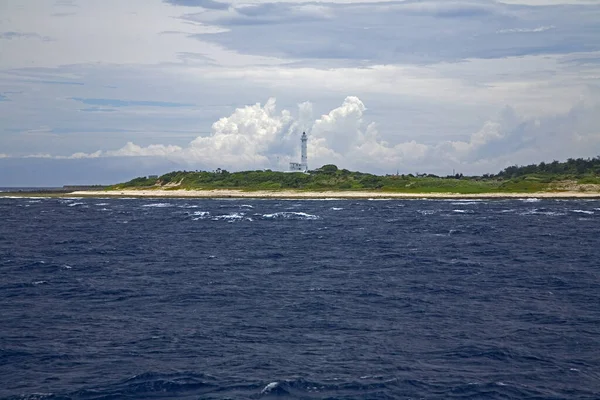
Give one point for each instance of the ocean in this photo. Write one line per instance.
(300, 299)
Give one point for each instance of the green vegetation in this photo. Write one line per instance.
(555, 176)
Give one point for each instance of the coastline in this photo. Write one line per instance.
(291, 194)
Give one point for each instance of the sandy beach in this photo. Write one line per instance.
(290, 194)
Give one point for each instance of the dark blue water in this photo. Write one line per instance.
(216, 299)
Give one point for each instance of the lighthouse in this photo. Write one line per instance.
(302, 166)
(304, 158)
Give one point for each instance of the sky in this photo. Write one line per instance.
(102, 91)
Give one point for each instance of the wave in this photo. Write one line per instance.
(583, 212)
(542, 211)
(232, 217)
(158, 205)
(427, 212)
(291, 215)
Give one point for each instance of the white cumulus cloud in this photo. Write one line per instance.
(258, 136)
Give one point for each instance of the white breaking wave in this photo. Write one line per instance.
(75, 204)
(269, 387)
(158, 205)
(583, 212)
(336, 208)
(531, 200)
(291, 215)
(231, 217)
(426, 212)
(200, 215)
(535, 211)
(463, 211)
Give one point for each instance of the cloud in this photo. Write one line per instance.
(426, 77)
(10, 35)
(450, 9)
(2, 155)
(527, 30)
(244, 138)
(130, 150)
(402, 32)
(97, 109)
(262, 14)
(40, 155)
(257, 136)
(129, 103)
(208, 4)
(541, 3)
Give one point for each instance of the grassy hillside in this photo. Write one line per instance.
(583, 175)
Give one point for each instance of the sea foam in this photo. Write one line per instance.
(291, 215)
(158, 205)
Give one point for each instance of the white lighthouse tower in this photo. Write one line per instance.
(304, 158)
(303, 164)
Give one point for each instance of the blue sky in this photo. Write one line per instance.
(102, 91)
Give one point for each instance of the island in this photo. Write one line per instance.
(572, 178)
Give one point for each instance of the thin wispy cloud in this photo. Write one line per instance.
(130, 103)
(527, 30)
(23, 35)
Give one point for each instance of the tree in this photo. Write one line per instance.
(329, 169)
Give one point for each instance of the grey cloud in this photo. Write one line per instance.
(97, 109)
(63, 14)
(449, 9)
(129, 103)
(424, 32)
(208, 4)
(11, 35)
(66, 3)
(263, 14)
(47, 172)
(523, 141)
